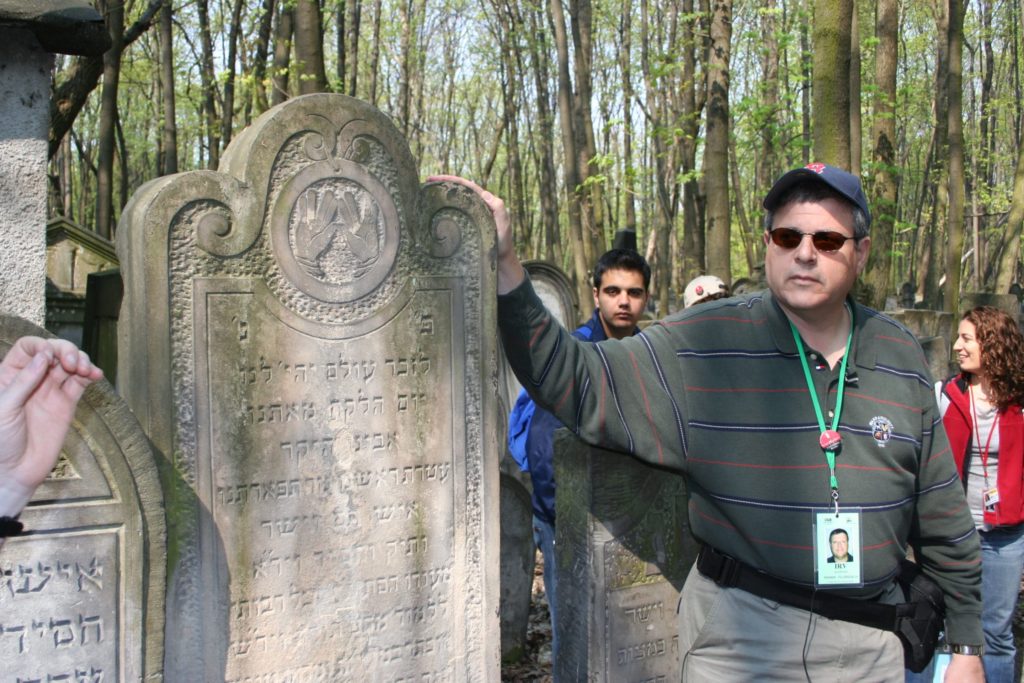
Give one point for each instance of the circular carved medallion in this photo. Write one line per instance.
(335, 231)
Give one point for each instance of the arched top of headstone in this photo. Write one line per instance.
(70, 27)
(562, 300)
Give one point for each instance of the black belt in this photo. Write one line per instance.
(731, 573)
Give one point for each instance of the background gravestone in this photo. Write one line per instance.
(624, 550)
(309, 337)
(517, 547)
(81, 593)
(935, 330)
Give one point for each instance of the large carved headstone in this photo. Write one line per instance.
(81, 592)
(624, 550)
(309, 336)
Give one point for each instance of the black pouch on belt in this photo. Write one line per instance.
(916, 622)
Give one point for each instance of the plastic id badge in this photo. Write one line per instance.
(837, 549)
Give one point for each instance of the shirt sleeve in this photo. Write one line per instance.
(943, 536)
(616, 394)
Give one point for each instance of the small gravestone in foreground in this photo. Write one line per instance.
(82, 590)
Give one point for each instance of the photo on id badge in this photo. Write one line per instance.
(837, 549)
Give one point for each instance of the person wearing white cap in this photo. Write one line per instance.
(704, 288)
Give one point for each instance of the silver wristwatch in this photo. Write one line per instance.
(973, 650)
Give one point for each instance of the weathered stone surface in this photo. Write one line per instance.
(308, 335)
(623, 548)
(517, 563)
(517, 557)
(81, 593)
(25, 70)
(70, 27)
(935, 330)
(1004, 302)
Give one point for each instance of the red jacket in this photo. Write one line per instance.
(1010, 476)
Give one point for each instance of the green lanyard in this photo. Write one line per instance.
(830, 440)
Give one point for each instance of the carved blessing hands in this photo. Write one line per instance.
(359, 228)
(316, 227)
(322, 218)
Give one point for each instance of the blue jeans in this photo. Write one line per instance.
(1002, 559)
(544, 537)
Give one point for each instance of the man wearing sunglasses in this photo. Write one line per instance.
(792, 412)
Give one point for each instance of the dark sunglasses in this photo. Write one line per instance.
(823, 240)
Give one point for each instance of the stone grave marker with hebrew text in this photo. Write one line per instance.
(82, 589)
(623, 550)
(309, 336)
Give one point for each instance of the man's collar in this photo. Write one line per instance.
(782, 336)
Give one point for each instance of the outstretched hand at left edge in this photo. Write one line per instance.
(41, 381)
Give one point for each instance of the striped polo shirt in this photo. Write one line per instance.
(718, 392)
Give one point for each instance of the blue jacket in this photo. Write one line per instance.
(531, 432)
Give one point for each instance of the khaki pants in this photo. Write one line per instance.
(727, 634)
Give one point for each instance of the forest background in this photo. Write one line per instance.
(670, 117)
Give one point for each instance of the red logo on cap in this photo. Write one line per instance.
(816, 167)
(700, 290)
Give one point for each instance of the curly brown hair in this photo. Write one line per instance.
(1002, 354)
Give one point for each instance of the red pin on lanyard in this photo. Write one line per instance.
(830, 440)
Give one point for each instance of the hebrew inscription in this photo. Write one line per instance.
(322, 377)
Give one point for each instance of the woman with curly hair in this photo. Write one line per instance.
(981, 409)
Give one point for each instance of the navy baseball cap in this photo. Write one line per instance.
(846, 184)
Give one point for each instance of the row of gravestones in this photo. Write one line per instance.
(307, 340)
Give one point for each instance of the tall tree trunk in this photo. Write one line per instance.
(228, 118)
(259, 100)
(547, 181)
(66, 178)
(939, 168)
(1009, 246)
(716, 150)
(113, 11)
(883, 141)
(570, 171)
(375, 52)
(690, 105)
(354, 10)
(855, 118)
(169, 137)
(625, 67)
(209, 83)
(407, 42)
(591, 200)
(983, 177)
(807, 78)
(766, 165)
(282, 53)
(340, 41)
(832, 81)
(309, 47)
(955, 217)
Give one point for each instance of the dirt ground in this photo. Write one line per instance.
(535, 667)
